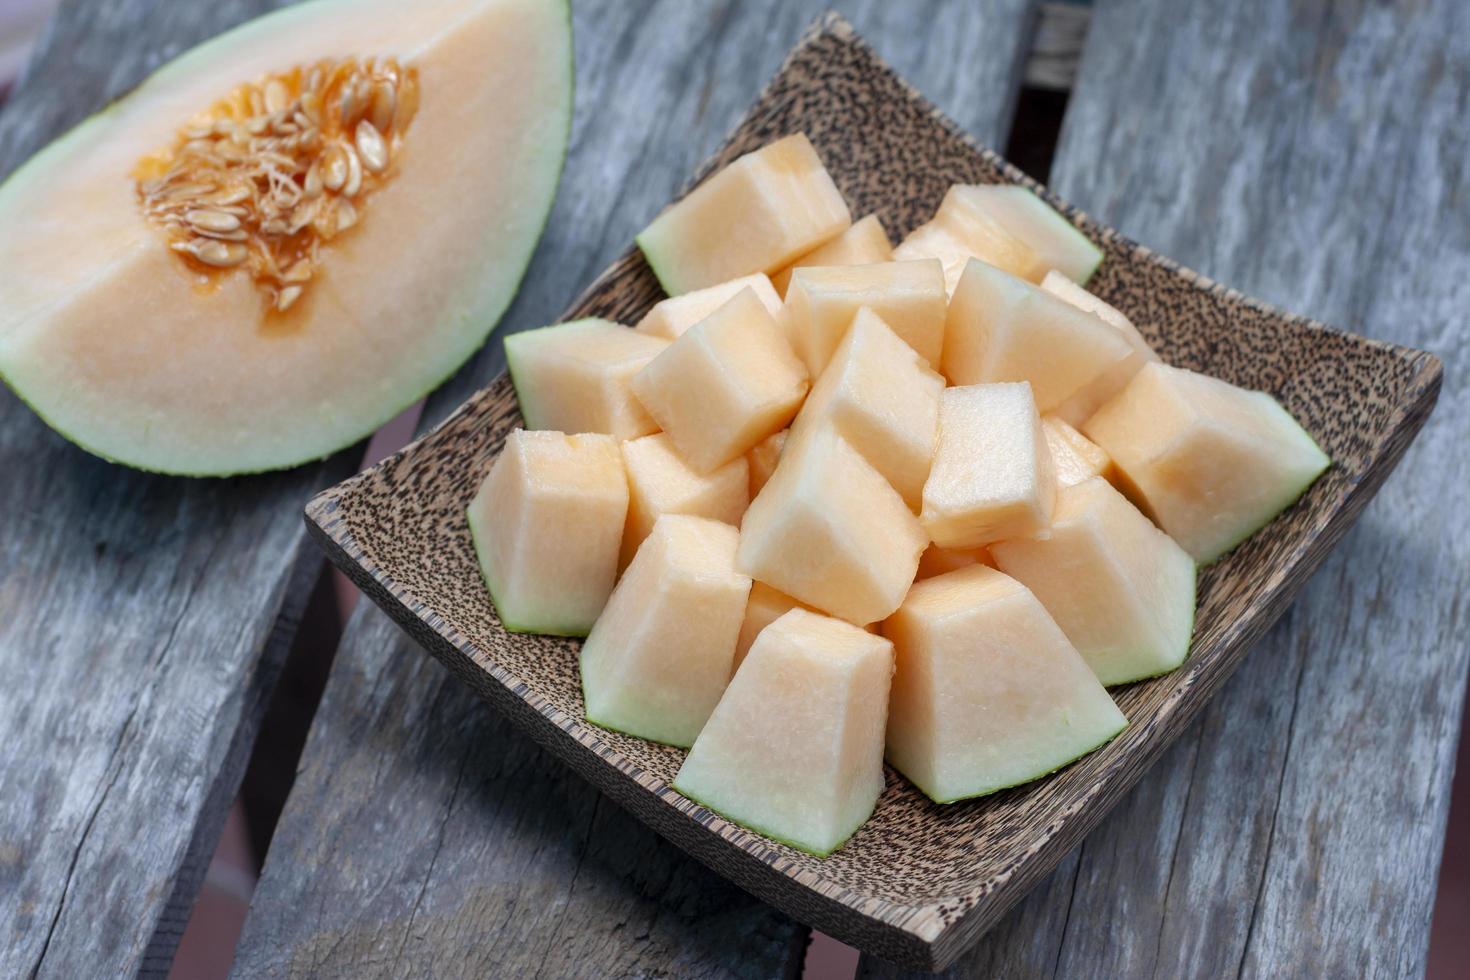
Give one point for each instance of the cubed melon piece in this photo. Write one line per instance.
(726, 383)
(988, 692)
(879, 395)
(794, 750)
(546, 525)
(1075, 457)
(1001, 328)
(1210, 462)
(1063, 288)
(764, 607)
(1078, 408)
(993, 476)
(661, 653)
(1005, 226)
(822, 301)
(660, 482)
(1120, 588)
(780, 200)
(763, 459)
(574, 377)
(936, 560)
(830, 531)
(862, 244)
(671, 317)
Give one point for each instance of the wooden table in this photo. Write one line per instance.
(1313, 154)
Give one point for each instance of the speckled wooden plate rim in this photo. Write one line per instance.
(1365, 400)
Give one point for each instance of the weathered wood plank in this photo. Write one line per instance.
(136, 611)
(424, 830)
(1312, 154)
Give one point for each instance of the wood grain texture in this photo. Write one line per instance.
(535, 872)
(143, 619)
(1313, 154)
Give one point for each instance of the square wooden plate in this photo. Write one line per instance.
(920, 882)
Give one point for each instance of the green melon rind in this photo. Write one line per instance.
(510, 625)
(184, 62)
(755, 827)
(608, 726)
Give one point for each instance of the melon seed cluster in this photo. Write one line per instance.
(266, 175)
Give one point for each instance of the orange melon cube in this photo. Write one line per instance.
(822, 301)
(764, 607)
(936, 560)
(1078, 408)
(763, 459)
(1075, 456)
(671, 317)
(660, 482)
(863, 244)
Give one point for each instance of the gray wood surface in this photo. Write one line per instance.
(1313, 154)
(143, 619)
(424, 834)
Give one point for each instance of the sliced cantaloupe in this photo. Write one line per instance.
(661, 653)
(830, 531)
(863, 244)
(763, 459)
(936, 560)
(726, 384)
(671, 317)
(1074, 456)
(575, 377)
(1210, 462)
(1120, 588)
(546, 523)
(1001, 328)
(781, 199)
(239, 351)
(660, 482)
(821, 302)
(1080, 406)
(794, 750)
(1063, 288)
(1005, 226)
(879, 395)
(993, 475)
(764, 607)
(987, 691)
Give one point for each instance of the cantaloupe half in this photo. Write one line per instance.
(164, 361)
(987, 690)
(794, 750)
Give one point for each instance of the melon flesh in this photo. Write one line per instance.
(1001, 328)
(1063, 288)
(936, 560)
(546, 523)
(1075, 456)
(780, 198)
(107, 335)
(794, 750)
(660, 482)
(822, 301)
(671, 317)
(726, 384)
(863, 244)
(987, 691)
(880, 396)
(576, 377)
(1005, 226)
(993, 476)
(1120, 588)
(764, 607)
(763, 459)
(1078, 408)
(830, 531)
(1210, 462)
(661, 653)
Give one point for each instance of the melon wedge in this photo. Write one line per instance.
(660, 482)
(1075, 457)
(763, 459)
(880, 396)
(671, 317)
(1120, 588)
(726, 384)
(764, 607)
(108, 335)
(781, 199)
(993, 476)
(1080, 406)
(1005, 226)
(863, 244)
(829, 530)
(987, 691)
(1063, 288)
(576, 377)
(821, 302)
(661, 653)
(547, 522)
(794, 750)
(937, 561)
(1210, 462)
(1001, 328)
